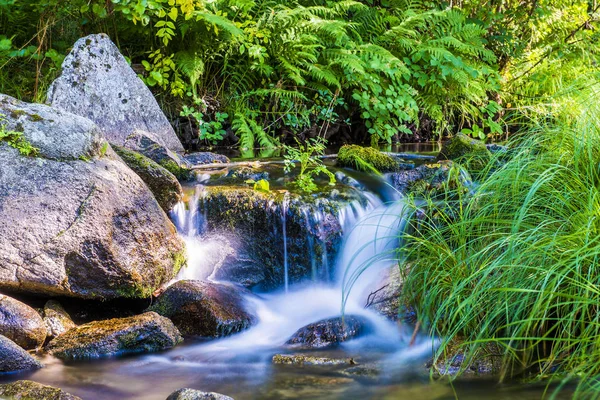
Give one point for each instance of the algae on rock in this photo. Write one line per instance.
(365, 159)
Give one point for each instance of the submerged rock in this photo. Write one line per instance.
(57, 319)
(29, 390)
(14, 358)
(365, 159)
(256, 219)
(472, 151)
(148, 332)
(425, 178)
(83, 226)
(21, 323)
(371, 370)
(193, 394)
(329, 332)
(205, 308)
(163, 184)
(97, 83)
(301, 359)
(487, 362)
(205, 158)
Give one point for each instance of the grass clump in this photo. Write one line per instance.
(365, 159)
(517, 263)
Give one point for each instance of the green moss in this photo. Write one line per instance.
(103, 149)
(16, 113)
(35, 117)
(471, 152)
(160, 181)
(29, 390)
(365, 159)
(183, 174)
(179, 261)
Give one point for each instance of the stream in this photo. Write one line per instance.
(240, 366)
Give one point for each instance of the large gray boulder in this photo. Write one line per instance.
(29, 390)
(14, 358)
(97, 83)
(21, 323)
(83, 226)
(143, 333)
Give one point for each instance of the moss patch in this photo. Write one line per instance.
(365, 159)
(29, 390)
(183, 174)
(471, 152)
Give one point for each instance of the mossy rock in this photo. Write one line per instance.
(193, 394)
(365, 159)
(302, 359)
(330, 332)
(163, 184)
(29, 390)
(254, 220)
(148, 332)
(205, 309)
(472, 152)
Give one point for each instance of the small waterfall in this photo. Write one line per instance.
(284, 208)
(205, 252)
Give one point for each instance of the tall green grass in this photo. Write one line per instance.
(516, 264)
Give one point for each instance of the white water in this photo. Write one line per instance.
(371, 234)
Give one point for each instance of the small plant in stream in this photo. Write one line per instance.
(17, 140)
(307, 156)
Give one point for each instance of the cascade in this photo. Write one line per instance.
(371, 230)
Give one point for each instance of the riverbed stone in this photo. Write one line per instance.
(303, 359)
(255, 220)
(193, 394)
(365, 159)
(206, 309)
(329, 332)
(487, 362)
(472, 152)
(97, 83)
(84, 226)
(29, 390)
(163, 184)
(57, 319)
(148, 332)
(14, 358)
(205, 157)
(21, 323)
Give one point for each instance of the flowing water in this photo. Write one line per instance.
(240, 366)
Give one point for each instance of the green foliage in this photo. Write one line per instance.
(307, 156)
(262, 185)
(516, 263)
(18, 141)
(365, 159)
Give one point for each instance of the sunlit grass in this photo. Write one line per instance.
(517, 263)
